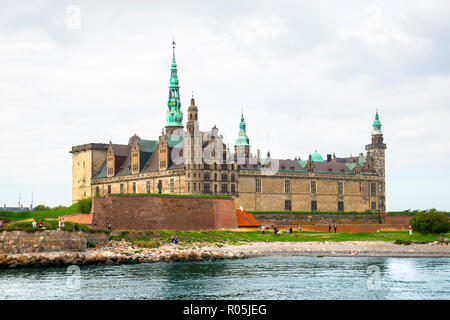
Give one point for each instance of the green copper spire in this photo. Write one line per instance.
(174, 116)
(242, 139)
(376, 123)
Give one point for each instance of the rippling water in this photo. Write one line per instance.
(284, 278)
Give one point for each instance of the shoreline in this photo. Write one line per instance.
(342, 249)
(122, 252)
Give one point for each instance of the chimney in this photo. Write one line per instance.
(258, 157)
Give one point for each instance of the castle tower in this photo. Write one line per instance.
(174, 116)
(242, 144)
(192, 123)
(375, 150)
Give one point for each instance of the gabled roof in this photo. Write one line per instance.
(121, 149)
(148, 145)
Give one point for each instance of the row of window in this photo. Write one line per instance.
(215, 166)
(340, 205)
(313, 188)
(207, 176)
(207, 187)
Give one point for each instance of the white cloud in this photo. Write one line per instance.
(309, 76)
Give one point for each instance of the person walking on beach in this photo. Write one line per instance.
(329, 228)
(76, 228)
(109, 225)
(299, 228)
(40, 225)
(59, 224)
(335, 227)
(34, 224)
(62, 223)
(263, 228)
(410, 230)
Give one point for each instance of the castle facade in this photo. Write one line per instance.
(185, 160)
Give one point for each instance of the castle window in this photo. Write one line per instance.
(109, 189)
(287, 186)
(374, 206)
(134, 187)
(224, 167)
(313, 187)
(224, 188)
(340, 187)
(360, 187)
(207, 177)
(215, 188)
(194, 172)
(258, 185)
(207, 188)
(172, 186)
(314, 205)
(380, 187)
(97, 191)
(233, 178)
(373, 189)
(148, 186)
(287, 205)
(233, 188)
(224, 177)
(215, 176)
(340, 206)
(189, 187)
(121, 188)
(206, 166)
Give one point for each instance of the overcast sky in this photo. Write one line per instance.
(309, 74)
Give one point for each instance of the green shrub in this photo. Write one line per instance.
(42, 207)
(91, 244)
(430, 222)
(82, 206)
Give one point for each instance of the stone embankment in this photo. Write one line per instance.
(115, 253)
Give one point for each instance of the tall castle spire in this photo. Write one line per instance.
(242, 139)
(242, 143)
(174, 116)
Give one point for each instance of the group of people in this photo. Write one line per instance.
(277, 231)
(61, 224)
(174, 240)
(35, 225)
(335, 228)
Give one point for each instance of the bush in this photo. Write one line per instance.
(430, 222)
(84, 206)
(41, 207)
(91, 244)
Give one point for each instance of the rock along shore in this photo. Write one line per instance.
(122, 252)
(116, 253)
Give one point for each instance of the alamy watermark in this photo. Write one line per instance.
(73, 20)
(374, 280)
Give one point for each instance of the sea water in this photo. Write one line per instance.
(280, 278)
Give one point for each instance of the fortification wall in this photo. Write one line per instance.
(290, 219)
(13, 242)
(143, 212)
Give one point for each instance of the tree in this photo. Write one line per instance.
(430, 222)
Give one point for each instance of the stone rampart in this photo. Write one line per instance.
(148, 212)
(13, 242)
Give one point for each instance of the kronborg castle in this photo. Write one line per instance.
(189, 161)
